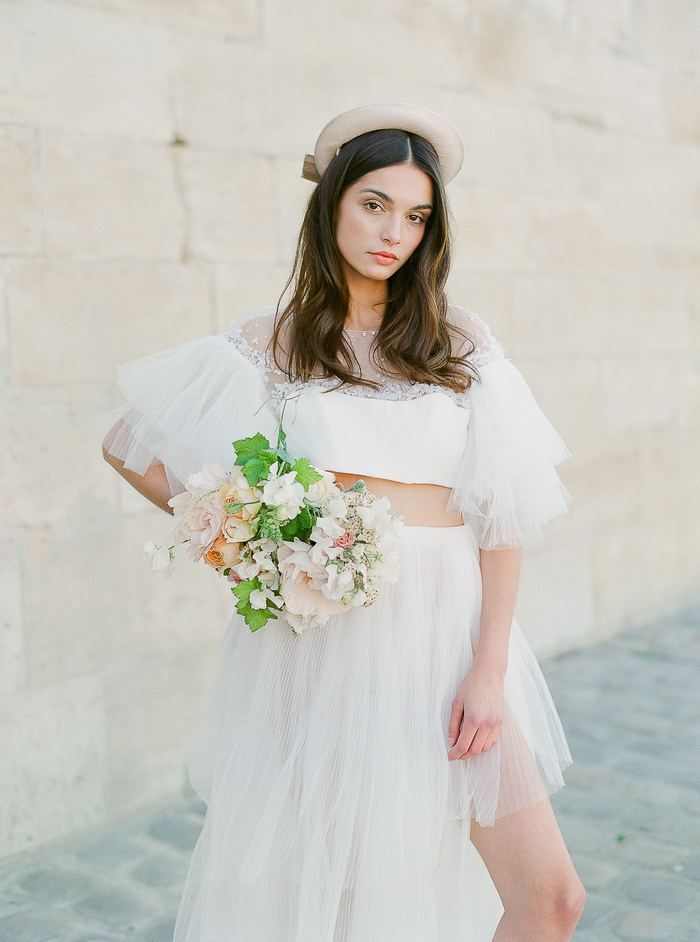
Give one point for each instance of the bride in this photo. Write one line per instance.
(385, 777)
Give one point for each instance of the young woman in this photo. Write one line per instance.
(384, 778)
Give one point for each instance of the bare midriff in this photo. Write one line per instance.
(420, 505)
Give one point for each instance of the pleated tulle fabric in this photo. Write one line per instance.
(333, 812)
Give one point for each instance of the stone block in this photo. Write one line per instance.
(568, 390)
(175, 830)
(509, 146)
(109, 197)
(91, 600)
(46, 438)
(53, 762)
(563, 235)
(151, 702)
(433, 35)
(230, 201)
(681, 101)
(556, 598)
(96, 314)
(624, 92)
(632, 403)
(224, 94)
(659, 892)
(232, 19)
(665, 34)
(13, 661)
(610, 22)
(83, 69)
(291, 196)
(160, 871)
(241, 286)
(486, 295)
(492, 227)
(521, 44)
(20, 223)
(114, 907)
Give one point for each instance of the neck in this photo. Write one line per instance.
(367, 302)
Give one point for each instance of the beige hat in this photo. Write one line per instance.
(344, 127)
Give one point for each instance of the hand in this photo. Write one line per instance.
(478, 707)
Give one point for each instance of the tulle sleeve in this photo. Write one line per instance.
(507, 486)
(185, 407)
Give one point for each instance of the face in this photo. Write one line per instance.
(381, 219)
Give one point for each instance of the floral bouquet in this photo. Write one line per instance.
(292, 541)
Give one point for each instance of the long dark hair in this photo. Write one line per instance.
(415, 336)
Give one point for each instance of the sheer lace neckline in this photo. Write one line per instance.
(251, 337)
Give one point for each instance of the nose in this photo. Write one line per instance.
(392, 229)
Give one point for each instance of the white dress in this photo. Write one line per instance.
(333, 813)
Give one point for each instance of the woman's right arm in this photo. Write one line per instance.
(153, 484)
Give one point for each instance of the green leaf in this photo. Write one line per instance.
(257, 467)
(359, 487)
(306, 475)
(243, 589)
(300, 526)
(247, 448)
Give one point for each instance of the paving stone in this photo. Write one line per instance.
(599, 909)
(160, 871)
(650, 927)
(56, 886)
(108, 849)
(595, 874)
(659, 892)
(27, 926)
(177, 830)
(161, 932)
(630, 816)
(114, 907)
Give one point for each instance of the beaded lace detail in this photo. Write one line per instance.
(251, 337)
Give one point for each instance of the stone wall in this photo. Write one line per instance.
(150, 157)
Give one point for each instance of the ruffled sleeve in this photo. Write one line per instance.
(507, 487)
(185, 407)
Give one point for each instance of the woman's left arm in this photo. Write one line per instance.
(478, 704)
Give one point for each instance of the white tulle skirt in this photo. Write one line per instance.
(333, 812)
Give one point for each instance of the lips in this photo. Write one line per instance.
(384, 258)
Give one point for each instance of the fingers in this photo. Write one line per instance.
(473, 740)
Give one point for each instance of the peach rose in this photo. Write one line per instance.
(222, 553)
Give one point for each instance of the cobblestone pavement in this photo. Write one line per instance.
(630, 814)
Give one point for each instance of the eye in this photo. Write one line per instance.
(373, 205)
(417, 219)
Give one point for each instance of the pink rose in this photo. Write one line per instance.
(204, 526)
(344, 541)
(301, 581)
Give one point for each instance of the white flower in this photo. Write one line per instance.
(336, 508)
(330, 527)
(376, 516)
(285, 493)
(161, 558)
(324, 488)
(259, 598)
(340, 581)
(386, 568)
(210, 478)
(322, 548)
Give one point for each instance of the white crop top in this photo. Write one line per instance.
(491, 445)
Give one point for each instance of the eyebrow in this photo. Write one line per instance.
(388, 199)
